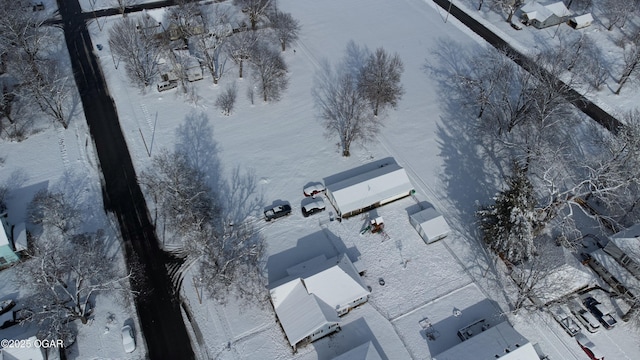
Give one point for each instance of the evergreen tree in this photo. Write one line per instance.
(509, 225)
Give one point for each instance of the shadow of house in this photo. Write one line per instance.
(341, 345)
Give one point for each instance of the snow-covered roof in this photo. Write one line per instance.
(623, 275)
(583, 19)
(500, 341)
(433, 224)
(542, 12)
(365, 189)
(563, 273)
(20, 236)
(310, 297)
(365, 351)
(338, 283)
(299, 312)
(4, 240)
(22, 352)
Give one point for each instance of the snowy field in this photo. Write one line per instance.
(284, 143)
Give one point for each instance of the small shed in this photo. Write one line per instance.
(367, 187)
(430, 224)
(581, 21)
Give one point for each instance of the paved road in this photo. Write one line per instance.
(158, 307)
(583, 104)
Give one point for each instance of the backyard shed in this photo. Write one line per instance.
(581, 21)
(430, 225)
(367, 187)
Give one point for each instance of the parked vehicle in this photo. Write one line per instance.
(584, 317)
(604, 317)
(167, 85)
(588, 347)
(128, 340)
(313, 189)
(277, 211)
(567, 322)
(313, 207)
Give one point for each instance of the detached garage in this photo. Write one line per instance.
(367, 187)
(430, 225)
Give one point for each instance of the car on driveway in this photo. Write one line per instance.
(277, 211)
(313, 188)
(588, 347)
(128, 341)
(584, 317)
(317, 205)
(605, 318)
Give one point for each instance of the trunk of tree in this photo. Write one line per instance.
(254, 22)
(375, 109)
(345, 152)
(634, 311)
(283, 46)
(240, 67)
(626, 75)
(513, 9)
(480, 5)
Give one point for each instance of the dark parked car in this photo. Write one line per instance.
(277, 211)
(606, 319)
(313, 207)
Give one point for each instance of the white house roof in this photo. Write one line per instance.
(22, 353)
(623, 275)
(431, 222)
(583, 19)
(337, 284)
(299, 312)
(500, 341)
(368, 188)
(4, 240)
(542, 12)
(365, 351)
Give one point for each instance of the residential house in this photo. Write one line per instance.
(542, 16)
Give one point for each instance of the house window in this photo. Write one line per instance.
(625, 259)
(2, 260)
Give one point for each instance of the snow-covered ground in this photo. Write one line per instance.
(284, 143)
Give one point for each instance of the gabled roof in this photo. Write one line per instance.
(583, 19)
(542, 12)
(337, 283)
(299, 312)
(365, 351)
(431, 222)
(367, 188)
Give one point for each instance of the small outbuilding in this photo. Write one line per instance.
(367, 187)
(430, 224)
(582, 21)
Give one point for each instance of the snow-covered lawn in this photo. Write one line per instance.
(284, 143)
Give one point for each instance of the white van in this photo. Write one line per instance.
(166, 85)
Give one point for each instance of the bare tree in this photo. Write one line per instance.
(51, 87)
(269, 71)
(209, 44)
(137, 45)
(254, 9)
(54, 210)
(240, 46)
(617, 12)
(227, 99)
(380, 80)
(62, 276)
(631, 57)
(508, 6)
(286, 28)
(342, 107)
